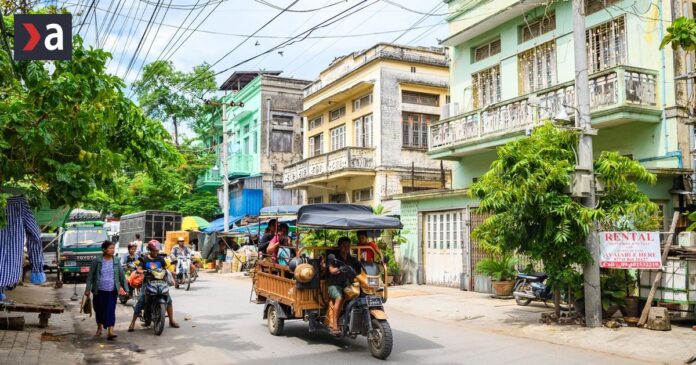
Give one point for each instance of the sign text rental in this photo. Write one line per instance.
(630, 250)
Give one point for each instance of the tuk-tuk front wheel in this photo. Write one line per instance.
(275, 323)
(381, 340)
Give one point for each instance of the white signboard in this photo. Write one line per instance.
(630, 250)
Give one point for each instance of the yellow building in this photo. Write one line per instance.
(365, 126)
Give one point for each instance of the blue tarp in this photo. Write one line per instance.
(219, 224)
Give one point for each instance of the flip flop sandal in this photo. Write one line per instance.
(175, 325)
(111, 338)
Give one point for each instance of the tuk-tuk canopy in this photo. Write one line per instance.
(346, 217)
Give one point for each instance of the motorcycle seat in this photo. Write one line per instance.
(533, 276)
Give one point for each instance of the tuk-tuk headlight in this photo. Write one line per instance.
(373, 281)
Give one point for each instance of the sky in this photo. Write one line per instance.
(212, 28)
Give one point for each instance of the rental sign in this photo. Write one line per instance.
(630, 250)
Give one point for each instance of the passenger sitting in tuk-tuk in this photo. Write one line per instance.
(268, 235)
(366, 254)
(281, 245)
(337, 279)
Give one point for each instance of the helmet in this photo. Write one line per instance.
(153, 245)
(132, 244)
(304, 273)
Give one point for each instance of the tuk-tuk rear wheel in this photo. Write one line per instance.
(275, 324)
(381, 340)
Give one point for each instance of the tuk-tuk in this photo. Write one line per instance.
(298, 290)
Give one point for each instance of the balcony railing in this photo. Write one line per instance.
(620, 86)
(210, 178)
(240, 164)
(349, 158)
(382, 51)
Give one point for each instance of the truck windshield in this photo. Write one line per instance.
(84, 237)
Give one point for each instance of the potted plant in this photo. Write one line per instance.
(501, 269)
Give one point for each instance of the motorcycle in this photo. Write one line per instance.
(530, 287)
(132, 292)
(183, 272)
(156, 298)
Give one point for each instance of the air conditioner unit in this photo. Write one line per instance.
(449, 110)
(687, 239)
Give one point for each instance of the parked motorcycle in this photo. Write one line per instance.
(183, 272)
(132, 292)
(530, 287)
(156, 298)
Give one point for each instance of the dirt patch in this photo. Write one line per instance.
(48, 336)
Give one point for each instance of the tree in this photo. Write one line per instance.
(681, 34)
(67, 129)
(526, 189)
(174, 96)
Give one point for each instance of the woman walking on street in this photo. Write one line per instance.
(106, 281)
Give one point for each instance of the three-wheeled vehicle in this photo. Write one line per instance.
(298, 291)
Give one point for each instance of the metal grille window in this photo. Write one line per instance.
(489, 49)
(415, 129)
(533, 29)
(537, 68)
(338, 137)
(316, 145)
(337, 113)
(363, 131)
(486, 87)
(606, 45)
(316, 122)
(362, 195)
(362, 102)
(593, 6)
(412, 97)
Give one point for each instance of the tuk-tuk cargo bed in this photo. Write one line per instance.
(272, 283)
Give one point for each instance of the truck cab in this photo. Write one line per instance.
(79, 245)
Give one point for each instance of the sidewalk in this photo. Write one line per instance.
(480, 311)
(37, 345)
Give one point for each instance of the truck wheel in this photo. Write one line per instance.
(275, 324)
(382, 339)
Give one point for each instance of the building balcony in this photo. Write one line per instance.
(240, 164)
(346, 162)
(210, 180)
(617, 96)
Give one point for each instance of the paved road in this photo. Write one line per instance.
(224, 328)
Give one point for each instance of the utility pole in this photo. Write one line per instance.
(584, 169)
(225, 172)
(225, 182)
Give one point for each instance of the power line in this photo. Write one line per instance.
(131, 32)
(120, 31)
(154, 39)
(422, 19)
(264, 2)
(85, 16)
(164, 49)
(255, 32)
(172, 53)
(140, 43)
(259, 36)
(430, 13)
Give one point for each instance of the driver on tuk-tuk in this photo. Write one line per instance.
(337, 280)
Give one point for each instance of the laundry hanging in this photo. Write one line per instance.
(21, 226)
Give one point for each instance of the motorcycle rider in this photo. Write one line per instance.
(181, 250)
(148, 262)
(132, 256)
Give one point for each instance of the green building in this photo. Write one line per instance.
(512, 68)
(264, 135)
